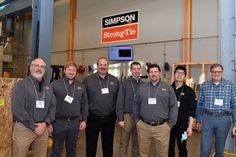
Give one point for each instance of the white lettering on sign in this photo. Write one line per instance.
(121, 34)
(122, 19)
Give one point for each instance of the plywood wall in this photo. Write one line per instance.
(6, 122)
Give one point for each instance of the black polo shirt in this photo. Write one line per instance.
(101, 104)
(187, 98)
(79, 105)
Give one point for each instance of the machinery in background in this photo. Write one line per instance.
(56, 72)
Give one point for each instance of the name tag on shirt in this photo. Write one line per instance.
(219, 102)
(152, 101)
(39, 104)
(178, 103)
(105, 91)
(69, 99)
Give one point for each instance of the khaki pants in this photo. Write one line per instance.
(126, 132)
(23, 137)
(160, 134)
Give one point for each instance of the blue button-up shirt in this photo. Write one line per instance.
(209, 92)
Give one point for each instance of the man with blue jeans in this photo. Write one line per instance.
(215, 109)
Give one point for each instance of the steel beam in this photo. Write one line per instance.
(42, 22)
(227, 50)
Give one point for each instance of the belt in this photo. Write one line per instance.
(102, 117)
(217, 114)
(67, 118)
(153, 123)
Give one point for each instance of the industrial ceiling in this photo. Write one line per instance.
(14, 7)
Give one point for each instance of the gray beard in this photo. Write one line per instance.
(37, 76)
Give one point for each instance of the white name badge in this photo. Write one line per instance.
(219, 102)
(69, 99)
(178, 103)
(105, 91)
(152, 101)
(39, 104)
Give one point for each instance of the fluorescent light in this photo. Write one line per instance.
(2, 7)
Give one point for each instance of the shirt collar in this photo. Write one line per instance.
(135, 80)
(34, 79)
(222, 82)
(100, 76)
(154, 84)
(173, 85)
(67, 80)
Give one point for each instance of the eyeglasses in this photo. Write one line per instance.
(39, 66)
(180, 72)
(218, 72)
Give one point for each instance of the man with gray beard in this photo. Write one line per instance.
(33, 109)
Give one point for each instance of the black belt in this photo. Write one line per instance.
(217, 114)
(67, 118)
(102, 117)
(153, 123)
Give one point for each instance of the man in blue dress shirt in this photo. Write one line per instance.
(215, 109)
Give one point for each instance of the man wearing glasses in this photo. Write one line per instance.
(186, 99)
(216, 106)
(33, 109)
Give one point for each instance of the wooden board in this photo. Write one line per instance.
(6, 122)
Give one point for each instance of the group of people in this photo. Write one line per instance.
(147, 112)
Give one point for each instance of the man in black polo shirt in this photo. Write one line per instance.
(102, 89)
(187, 106)
(72, 105)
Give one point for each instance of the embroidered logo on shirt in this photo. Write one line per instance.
(112, 83)
(163, 89)
(182, 94)
(79, 88)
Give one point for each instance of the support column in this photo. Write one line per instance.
(227, 49)
(70, 55)
(42, 22)
(187, 34)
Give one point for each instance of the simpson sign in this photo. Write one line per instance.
(120, 27)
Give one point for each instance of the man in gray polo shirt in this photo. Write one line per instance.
(102, 89)
(33, 108)
(155, 111)
(124, 109)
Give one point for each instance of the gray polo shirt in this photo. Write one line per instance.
(101, 104)
(166, 107)
(79, 105)
(126, 96)
(24, 96)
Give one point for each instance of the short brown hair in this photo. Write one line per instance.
(154, 66)
(68, 64)
(216, 65)
(101, 59)
(134, 63)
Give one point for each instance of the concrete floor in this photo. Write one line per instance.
(193, 146)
